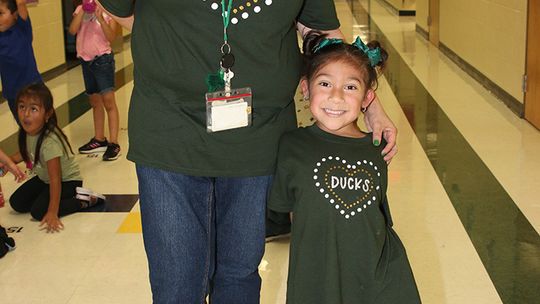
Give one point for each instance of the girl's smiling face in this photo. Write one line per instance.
(32, 115)
(337, 92)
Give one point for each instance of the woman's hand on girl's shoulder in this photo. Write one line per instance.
(52, 223)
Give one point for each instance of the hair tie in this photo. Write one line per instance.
(326, 42)
(374, 55)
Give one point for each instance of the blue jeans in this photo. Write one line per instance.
(203, 236)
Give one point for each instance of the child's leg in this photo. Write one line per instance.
(103, 71)
(112, 114)
(68, 203)
(23, 198)
(96, 101)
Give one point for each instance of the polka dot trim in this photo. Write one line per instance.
(242, 11)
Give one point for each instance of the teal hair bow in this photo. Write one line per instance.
(374, 55)
(325, 42)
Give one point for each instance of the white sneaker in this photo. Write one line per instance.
(88, 192)
(89, 200)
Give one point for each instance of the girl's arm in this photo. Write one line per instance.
(4, 158)
(7, 164)
(75, 24)
(126, 22)
(109, 29)
(50, 220)
(22, 10)
(17, 157)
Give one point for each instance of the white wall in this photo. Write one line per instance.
(490, 35)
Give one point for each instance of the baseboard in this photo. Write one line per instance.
(422, 32)
(54, 72)
(400, 12)
(510, 101)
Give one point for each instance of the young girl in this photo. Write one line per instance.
(333, 180)
(46, 151)
(95, 32)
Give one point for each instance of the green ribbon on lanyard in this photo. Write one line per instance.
(226, 18)
(215, 81)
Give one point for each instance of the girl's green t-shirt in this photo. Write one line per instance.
(343, 249)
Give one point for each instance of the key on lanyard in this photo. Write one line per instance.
(227, 62)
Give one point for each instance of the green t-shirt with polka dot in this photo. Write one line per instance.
(176, 44)
(343, 249)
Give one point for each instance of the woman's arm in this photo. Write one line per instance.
(109, 28)
(303, 30)
(377, 121)
(50, 220)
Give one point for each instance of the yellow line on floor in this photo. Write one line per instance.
(131, 224)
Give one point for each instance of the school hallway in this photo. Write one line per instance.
(463, 189)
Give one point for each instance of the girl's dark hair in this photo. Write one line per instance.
(315, 59)
(11, 5)
(39, 91)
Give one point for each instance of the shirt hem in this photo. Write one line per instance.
(198, 172)
(280, 209)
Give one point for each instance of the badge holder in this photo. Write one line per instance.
(227, 110)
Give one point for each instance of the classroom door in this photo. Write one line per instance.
(433, 22)
(532, 94)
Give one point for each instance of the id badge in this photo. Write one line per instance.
(227, 110)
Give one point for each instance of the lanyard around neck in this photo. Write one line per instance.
(226, 18)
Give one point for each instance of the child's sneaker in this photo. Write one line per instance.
(94, 146)
(112, 153)
(88, 201)
(89, 192)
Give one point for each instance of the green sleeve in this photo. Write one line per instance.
(281, 196)
(119, 8)
(319, 15)
(51, 148)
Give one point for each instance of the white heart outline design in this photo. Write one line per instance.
(355, 166)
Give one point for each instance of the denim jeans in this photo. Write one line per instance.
(203, 236)
(98, 74)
